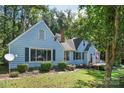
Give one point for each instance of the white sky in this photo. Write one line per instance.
(73, 8)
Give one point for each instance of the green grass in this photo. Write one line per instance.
(61, 80)
(118, 73)
(66, 79)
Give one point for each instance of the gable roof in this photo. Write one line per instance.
(74, 43)
(67, 47)
(31, 29)
(87, 47)
(25, 32)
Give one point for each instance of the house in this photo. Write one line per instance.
(40, 44)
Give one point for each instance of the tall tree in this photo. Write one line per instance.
(103, 24)
(15, 20)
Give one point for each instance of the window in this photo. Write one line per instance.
(49, 55)
(33, 55)
(66, 55)
(40, 55)
(77, 56)
(41, 34)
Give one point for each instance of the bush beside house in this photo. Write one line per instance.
(62, 66)
(22, 68)
(46, 66)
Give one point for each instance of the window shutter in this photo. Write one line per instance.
(26, 54)
(54, 55)
(82, 55)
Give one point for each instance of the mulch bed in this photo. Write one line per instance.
(32, 73)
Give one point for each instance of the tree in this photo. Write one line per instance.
(104, 26)
(16, 20)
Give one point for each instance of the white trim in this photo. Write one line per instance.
(41, 49)
(32, 28)
(75, 55)
(39, 33)
(23, 33)
(69, 56)
(53, 35)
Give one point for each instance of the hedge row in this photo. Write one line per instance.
(45, 67)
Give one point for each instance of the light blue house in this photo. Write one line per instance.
(39, 44)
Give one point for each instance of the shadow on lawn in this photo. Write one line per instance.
(97, 83)
(96, 73)
(88, 84)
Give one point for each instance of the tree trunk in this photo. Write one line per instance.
(110, 60)
(108, 67)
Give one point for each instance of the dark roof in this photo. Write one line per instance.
(74, 43)
(87, 47)
(77, 42)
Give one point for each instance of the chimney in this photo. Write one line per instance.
(58, 36)
(62, 35)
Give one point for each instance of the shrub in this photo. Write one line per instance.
(22, 68)
(46, 66)
(102, 68)
(14, 74)
(117, 64)
(62, 66)
(70, 67)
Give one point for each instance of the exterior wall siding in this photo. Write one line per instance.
(92, 51)
(30, 40)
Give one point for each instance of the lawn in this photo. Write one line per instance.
(61, 80)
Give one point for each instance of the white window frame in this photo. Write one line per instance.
(75, 55)
(39, 37)
(41, 49)
(64, 55)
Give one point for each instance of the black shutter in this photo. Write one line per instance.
(54, 55)
(26, 54)
(82, 55)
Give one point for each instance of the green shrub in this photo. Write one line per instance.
(102, 68)
(62, 66)
(117, 64)
(46, 66)
(22, 68)
(14, 74)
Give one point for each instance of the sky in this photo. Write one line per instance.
(73, 8)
